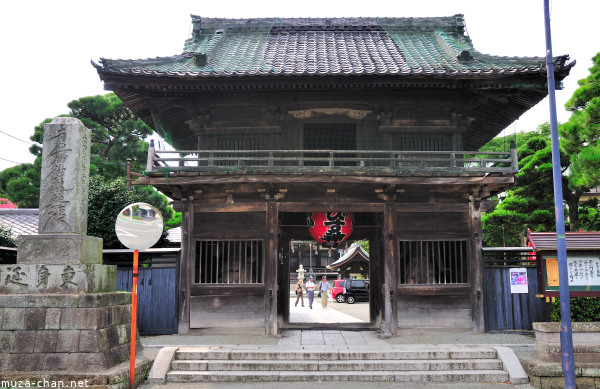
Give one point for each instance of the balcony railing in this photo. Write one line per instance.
(332, 161)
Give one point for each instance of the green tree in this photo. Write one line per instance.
(116, 135)
(21, 184)
(108, 197)
(175, 221)
(531, 203)
(580, 140)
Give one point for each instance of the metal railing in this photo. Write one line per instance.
(331, 161)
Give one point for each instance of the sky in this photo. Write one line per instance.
(47, 46)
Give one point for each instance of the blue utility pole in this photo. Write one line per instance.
(566, 335)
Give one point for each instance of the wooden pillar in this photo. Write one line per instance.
(476, 262)
(186, 262)
(390, 279)
(376, 277)
(271, 257)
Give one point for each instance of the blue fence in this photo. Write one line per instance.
(157, 292)
(504, 310)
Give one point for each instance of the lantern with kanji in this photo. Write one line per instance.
(330, 228)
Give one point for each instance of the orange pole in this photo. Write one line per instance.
(134, 286)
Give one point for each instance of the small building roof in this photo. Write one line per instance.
(174, 235)
(24, 221)
(354, 253)
(575, 240)
(21, 221)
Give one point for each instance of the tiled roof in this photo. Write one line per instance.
(352, 253)
(335, 46)
(22, 221)
(174, 235)
(574, 240)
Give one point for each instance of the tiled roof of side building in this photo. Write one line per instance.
(21, 221)
(328, 46)
(24, 221)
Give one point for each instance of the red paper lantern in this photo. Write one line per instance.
(330, 228)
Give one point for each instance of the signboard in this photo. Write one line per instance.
(518, 280)
(584, 273)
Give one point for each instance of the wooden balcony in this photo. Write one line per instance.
(354, 162)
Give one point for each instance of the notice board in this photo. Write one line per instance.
(584, 274)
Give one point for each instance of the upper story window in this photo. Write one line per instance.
(329, 136)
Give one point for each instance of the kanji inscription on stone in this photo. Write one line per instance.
(65, 177)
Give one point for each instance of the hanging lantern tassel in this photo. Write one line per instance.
(330, 253)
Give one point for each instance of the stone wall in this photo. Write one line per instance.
(75, 332)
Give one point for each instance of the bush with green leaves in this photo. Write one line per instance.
(583, 309)
(6, 238)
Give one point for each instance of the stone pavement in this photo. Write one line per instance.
(300, 314)
(338, 339)
(344, 385)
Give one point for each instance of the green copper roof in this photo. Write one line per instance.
(335, 46)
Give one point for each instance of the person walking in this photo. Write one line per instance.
(323, 291)
(299, 293)
(310, 291)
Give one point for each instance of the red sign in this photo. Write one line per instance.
(330, 227)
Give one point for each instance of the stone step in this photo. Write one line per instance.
(337, 365)
(368, 376)
(416, 352)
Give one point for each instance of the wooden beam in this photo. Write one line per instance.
(330, 207)
(235, 207)
(227, 290)
(390, 278)
(431, 207)
(186, 264)
(214, 179)
(271, 258)
(434, 290)
(476, 262)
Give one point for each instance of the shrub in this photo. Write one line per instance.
(582, 309)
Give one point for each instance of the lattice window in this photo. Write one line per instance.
(238, 143)
(228, 262)
(233, 144)
(418, 143)
(433, 262)
(330, 136)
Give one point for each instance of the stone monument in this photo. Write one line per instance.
(59, 309)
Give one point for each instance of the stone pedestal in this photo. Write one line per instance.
(55, 278)
(59, 248)
(586, 342)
